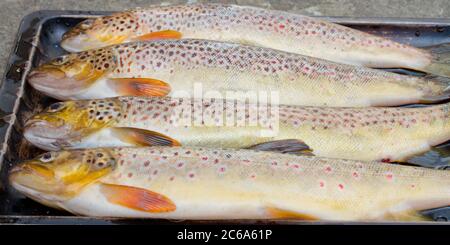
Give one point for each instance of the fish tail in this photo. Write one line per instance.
(444, 95)
(440, 64)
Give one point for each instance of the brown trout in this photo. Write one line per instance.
(260, 27)
(382, 134)
(195, 183)
(185, 68)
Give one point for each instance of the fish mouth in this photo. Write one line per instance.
(45, 76)
(51, 81)
(32, 168)
(32, 176)
(45, 135)
(56, 83)
(37, 182)
(77, 42)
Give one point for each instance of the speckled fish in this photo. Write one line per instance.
(259, 27)
(195, 183)
(179, 67)
(383, 134)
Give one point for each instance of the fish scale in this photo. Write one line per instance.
(205, 183)
(249, 25)
(383, 134)
(179, 67)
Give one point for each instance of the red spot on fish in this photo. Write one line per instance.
(222, 169)
(216, 161)
(355, 174)
(155, 172)
(146, 163)
(204, 158)
(253, 176)
(321, 184)
(281, 26)
(386, 160)
(180, 164)
(341, 186)
(296, 166)
(130, 175)
(191, 175)
(328, 169)
(389, 176)
(172, 178)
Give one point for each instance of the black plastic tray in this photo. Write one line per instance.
(38, 40)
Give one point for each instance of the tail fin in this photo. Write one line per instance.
(442, 97)
(441, 60)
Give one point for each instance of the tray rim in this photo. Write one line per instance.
(46, 15)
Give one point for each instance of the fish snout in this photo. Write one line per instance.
(80, 38)
(34, 179)
(46, 135)
(45, 76)
(36, 169)
(76, 42)
(54, 82)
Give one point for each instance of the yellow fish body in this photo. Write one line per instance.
(369, 134)
(249, 25)
(196, 183)
(189, 68)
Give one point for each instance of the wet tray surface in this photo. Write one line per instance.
(38, 41)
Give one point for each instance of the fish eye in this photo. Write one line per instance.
(60, 60)
(86, 24)
(46, 157)
(55, 107)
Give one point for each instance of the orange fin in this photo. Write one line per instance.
(167, 34)
(284, 146)
(142, 137)
(137, 198)
(278, 213)
(139, 87)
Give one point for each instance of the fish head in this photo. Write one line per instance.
(63, 124)
(100, 32)
(72, 74)
(59, 176)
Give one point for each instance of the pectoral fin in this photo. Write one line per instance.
(285, 146)
(139, 87)
(142, 137)
(137, 198)
(166, 34)
(278, 213)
